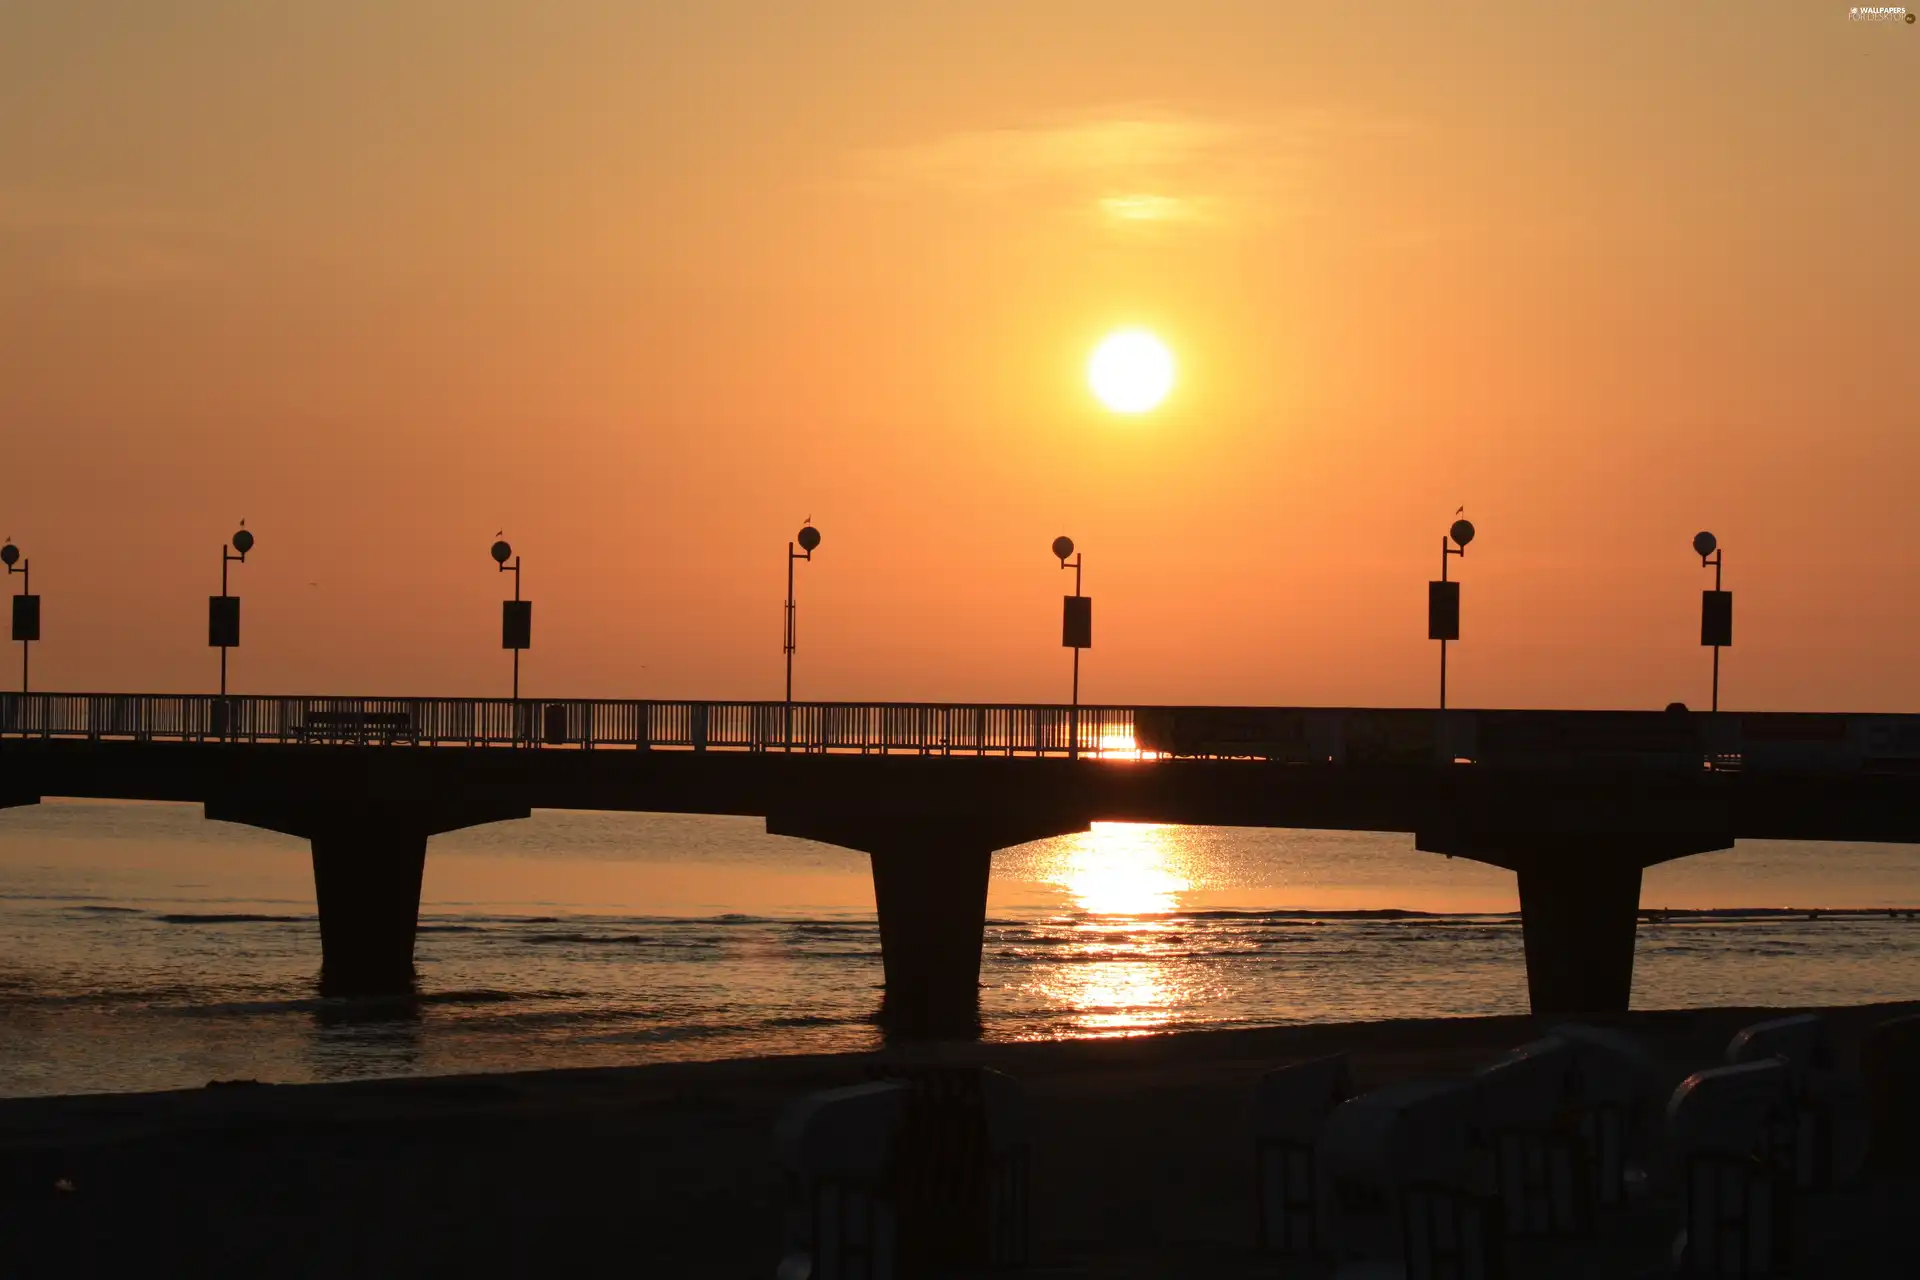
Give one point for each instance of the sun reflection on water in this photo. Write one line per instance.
(1123, 869)
(1120, 971)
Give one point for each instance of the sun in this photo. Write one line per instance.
(1131, 371)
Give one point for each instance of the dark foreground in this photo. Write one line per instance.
(1142, 1164)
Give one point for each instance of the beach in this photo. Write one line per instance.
(1142, 1162)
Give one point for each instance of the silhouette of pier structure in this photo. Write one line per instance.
(1576, 803)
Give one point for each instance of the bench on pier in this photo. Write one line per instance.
(356, 726)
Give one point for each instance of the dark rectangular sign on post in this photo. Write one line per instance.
(223, 622)
(1076, 623)
(516, 624)
(1443, 611)
(1716, 618)
(26, 617)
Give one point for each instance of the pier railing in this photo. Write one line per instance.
(592, 724)
(1297, 735)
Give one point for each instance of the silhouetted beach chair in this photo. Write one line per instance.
(1536, 1162)
(1398, 1186)
(1558, 1123)
(1889, 1068)
(1830, 1123)
(1290, 1105)
(1615, 1104)
(1801, 1041)
(839, 1150)
(1731, 1131)
(961, 1177)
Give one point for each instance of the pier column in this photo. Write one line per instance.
(930, 872)
(367, 880)
(1579, 918)
(932, 902)
(367, 812)
(1577, 843)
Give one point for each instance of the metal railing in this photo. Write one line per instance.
(1300, 735)
(925, 728)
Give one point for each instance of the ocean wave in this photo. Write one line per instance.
(1808, 915)
(365, 1004)
(727, 920)
(1383, 913)
(658, 1035)
(490, 995)
(622, 940)
(1104, 955)
(808, 1020)
(306, 1004)
(235, 917)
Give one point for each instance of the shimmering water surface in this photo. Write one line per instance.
(142, 947)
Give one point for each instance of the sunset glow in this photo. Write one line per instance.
(1131, 372)
(704, 279)
(785, 544)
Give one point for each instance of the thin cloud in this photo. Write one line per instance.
(1151, 207)
(992, 161)
(1128, 168)
(95, 244)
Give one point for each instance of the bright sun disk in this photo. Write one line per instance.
(1131, 371)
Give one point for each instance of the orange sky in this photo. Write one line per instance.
(647, 283)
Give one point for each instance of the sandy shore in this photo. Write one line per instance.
(1142, 1163)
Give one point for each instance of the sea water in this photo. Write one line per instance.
(142, 947)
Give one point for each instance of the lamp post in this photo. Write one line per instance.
(26, 607)
(1716, 606)
(516, 616)
(1443, 597)
(1076, 633)
(809, 540)
(223, 610)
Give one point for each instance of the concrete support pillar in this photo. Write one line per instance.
(932, 901)
(931, 862)
(366, 877)
(1579, 917)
